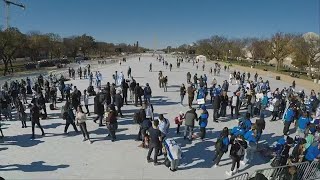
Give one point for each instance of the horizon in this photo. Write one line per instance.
(158, 25)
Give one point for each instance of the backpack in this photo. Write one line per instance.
(65, 115)
(148, 91)
(241, 150)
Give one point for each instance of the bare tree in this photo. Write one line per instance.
(280, 47)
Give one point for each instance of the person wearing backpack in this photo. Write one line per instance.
(147, 93)
(221, 146)
(138, 92)
(178, 121)
(237, 152)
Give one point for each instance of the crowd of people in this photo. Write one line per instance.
(254, 96)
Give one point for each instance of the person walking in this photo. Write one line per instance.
(81, 121)
(221, 146)
(178, 121)
(237, 152)
(98, 109)
(224, 104)
(35, 118)
(155, 142)
(69, 116)
(112, 124)
(190, 117)
(288, 119)
(182, 93)
(118, 103)
(216, 107)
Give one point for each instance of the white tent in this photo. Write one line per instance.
(201, 58)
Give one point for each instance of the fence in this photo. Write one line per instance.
(312, 172)
(278, 172)
(243, 176)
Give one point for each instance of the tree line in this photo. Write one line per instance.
(303, 49)
(37, 46)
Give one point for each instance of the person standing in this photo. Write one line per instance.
(191, 92)
(178, 121)
(288, 119)
(86, 101)
(224, 104)
(188, 77)
(125, 88)
(203, 121)
(138, 92)
(216, 107)
(112, 124)
(35, 118)
(68, 115)
(165, 83)
(147, 93)
(150, 67)
(22, 114)
(235, 102)
(170, 66)
(182, 93)
(129, 72)
(190, 117)
(155, 142)
(81, 121)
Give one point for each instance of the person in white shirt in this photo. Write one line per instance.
(164, 126)
(81, 121)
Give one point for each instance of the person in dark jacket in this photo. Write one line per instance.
(203, 121)
(224, 103)
(132, 87)
(147, 93)
(98, 109)
(260, 126)
(138, 92)
(42, 105)
(236, 154)
(216, 107)
(118, 103)
(75, 97)
(182, 93)
(125, 88)
(35, 118)
(141, 117)
(234, 104)
(69, 116)
(112, 124)
(107, 91)
(191, 91)
(190, 117)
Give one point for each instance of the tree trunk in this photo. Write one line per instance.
(277, 65)
(309, 67)
(11, 65)
(5, 62)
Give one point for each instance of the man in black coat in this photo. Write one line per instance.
(75, 97)
(138, 92)
(35, 118)
(98, 109)
(216, 107)
(125, 88)
(119, 102)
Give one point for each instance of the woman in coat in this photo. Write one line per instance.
(112, 124)
(81, 119)
(69, 117)
(236, 153)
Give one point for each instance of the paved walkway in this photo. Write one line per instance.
(58, 156)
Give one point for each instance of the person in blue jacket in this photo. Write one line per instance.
(221, 146)
(251, 138)
(246, 125)
(203, 121)
(303, 123)
(313, 153)
(288, 119)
